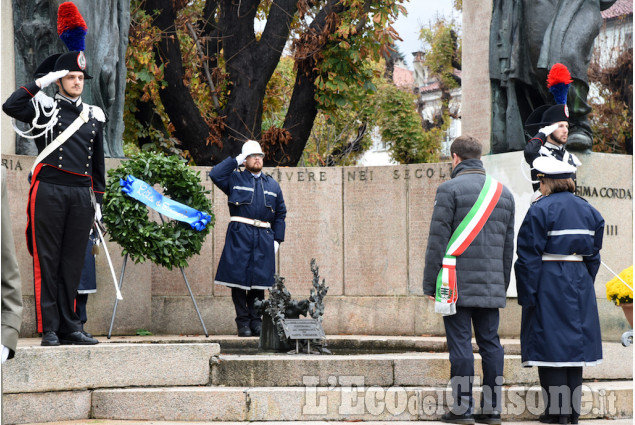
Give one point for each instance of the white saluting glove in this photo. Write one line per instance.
(241, 158)
(49, 78)
(549, 129)
(98, 212)
(276, 245)
(5, 353)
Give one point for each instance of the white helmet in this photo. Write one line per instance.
(251, 147)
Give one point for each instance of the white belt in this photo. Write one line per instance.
(252, 221)
(557, 257)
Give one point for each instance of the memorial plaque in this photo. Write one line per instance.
(313, 227)
(367, 227)
(604, 180)
(200, 269)
(221, 211)
(135, 310)
(423, 180)
(303, 329)
(18, 168)
(375, 231)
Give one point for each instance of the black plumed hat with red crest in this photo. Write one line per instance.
(72, 30)
(558, 82)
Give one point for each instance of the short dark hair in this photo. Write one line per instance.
(466, 147)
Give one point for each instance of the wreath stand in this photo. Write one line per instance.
(123, 270)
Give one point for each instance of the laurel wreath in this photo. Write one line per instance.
(167, 244)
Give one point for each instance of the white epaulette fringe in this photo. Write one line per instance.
(97, 113)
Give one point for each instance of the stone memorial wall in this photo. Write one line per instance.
(366, 227)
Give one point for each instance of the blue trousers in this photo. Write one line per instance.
(562, 392)
(458, 330)
(246, 316)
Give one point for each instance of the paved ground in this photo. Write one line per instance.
(107, 422)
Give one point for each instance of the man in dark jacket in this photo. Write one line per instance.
(482, 277)
(255, 231)
(67, 184)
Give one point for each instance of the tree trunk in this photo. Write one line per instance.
(302, 106)
(189, 126)
(250, 64)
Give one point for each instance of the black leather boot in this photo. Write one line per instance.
(50, 339)
(77, 338)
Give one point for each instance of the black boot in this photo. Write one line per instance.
(451, 418)
(50, 339)
(488, 418)
(580, 133)
(77, 338)
(244, 331)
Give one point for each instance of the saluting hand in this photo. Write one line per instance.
(241, 158)
(548, 129)
(51, 77)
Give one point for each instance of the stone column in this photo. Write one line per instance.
(476, 109)
(7, 82)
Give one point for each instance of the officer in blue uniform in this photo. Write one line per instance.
(66, 186)
(558, 250)
(255, 231)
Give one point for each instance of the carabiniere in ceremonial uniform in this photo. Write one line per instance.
(65, 185)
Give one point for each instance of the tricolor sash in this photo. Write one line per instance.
(447, 292)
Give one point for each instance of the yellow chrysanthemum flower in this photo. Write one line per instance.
(619, 293)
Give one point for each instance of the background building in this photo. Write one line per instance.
(428, 104)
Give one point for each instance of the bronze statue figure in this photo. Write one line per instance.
(108, 23)
(527, 37)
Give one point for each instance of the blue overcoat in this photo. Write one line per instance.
(248, 258)
(88, 280)
(560, 323)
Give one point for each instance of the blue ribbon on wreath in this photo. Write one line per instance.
(143, 192)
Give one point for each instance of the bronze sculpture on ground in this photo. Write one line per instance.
(280, 306)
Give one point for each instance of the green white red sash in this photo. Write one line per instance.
(447, 291)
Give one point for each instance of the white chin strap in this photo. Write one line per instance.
(524, 173)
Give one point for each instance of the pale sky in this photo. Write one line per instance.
(420, 13)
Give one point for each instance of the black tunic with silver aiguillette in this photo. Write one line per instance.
(81, 156)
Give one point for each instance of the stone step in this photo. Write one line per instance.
(38, 369)
(407, 369)
(177, 363)
(176, 377)
(339, 344)
(341, 403)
